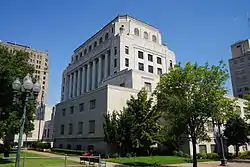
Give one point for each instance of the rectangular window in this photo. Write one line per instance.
(92, 104)
(115, 62)
(126, 62)
(63, 112)
(126, 50)
(62, 129)
(170, 63)
(140, 54)
(69, 146)
(90, 148)
(159, 71)
(81, 107)
(29, 134)
(158, 60)
(150, 57)
(148, 86)
(71, 109)
(150, 69)
(78, 147)
(141, 66)
(213, 148)
(202, 149)
(80, 127)
(70, 129)
(122, 84)
(60, 145)
(115, 50)
(92, 126)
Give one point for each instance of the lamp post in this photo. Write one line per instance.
(223, 158)
(27, 87)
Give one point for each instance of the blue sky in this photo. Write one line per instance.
(196, 30)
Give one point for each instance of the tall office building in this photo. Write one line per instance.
(39, 60)
(240, 68)
(115, 63)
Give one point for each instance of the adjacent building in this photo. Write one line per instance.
(240, 68)
(115, 63)
(40, 61)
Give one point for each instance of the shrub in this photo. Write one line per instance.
(178, 153)
(67, 151)
(213, 156)
(1, 148)
(40, 145)
(202, 156)
(244, 155)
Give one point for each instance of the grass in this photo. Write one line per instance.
(35, 162)
(150, 160)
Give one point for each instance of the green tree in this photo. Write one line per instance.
(189, 98)
(13, 64)
(247, 108)
(136, 128)
(236, 132)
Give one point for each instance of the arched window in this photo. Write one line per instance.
(85, 51)
(100, 40)
(154, 38)
(136, 32)
(106, 36)
(95, 44)
(145, 35)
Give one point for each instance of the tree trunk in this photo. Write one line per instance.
(237, 150)
(194, 152)
(8, 138)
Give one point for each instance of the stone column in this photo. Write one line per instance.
(70, 86)
(88, 73)
(79, 83)
(106, 66)
(99, 71)
(74, 85)
(83, 80)
(93, 74)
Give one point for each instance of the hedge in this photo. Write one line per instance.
(67, 151)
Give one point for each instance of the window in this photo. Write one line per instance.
(213, 148)
(63, 112)
(78, 147)
(154, 38)
(150, 57)
(126, 62)
(81, 107)
(92, 104)
(106, 36)
(29, 134)
(148, 86)
(85, 51)
(92, 126)
(145, 35)
(62, 129)
(70, 129)
(80, 54)
(141, 66)
(210, 127)
(100, 40)
(158, 60)
(71, 109)
(60, 145)
(202, 149)
(115, 62)
(140, 54)
(95, 44)
(170, 63)
(90, 48)
(242, 60)
(69, 146)
(159, 71)
(136, 32)
(90, 148)
(244, 147)
(150, 69)
(115, 50)
(122, 84)
(127, 50)
(112, 29)
(80, 127)
(76, 57)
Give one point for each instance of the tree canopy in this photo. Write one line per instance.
(190, 97)
(136, 128)
(13, 64)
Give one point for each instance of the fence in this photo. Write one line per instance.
(85, 160)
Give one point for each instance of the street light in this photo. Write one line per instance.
(223, 158)
(27, 87)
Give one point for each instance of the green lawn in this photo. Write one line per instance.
(35, 162)
(149, 160)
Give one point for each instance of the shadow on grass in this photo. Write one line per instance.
(141, 165)
(5, 161)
